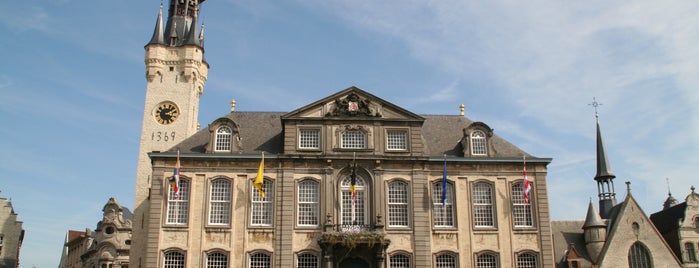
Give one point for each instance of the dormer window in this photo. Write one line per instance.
(353, 139)
(309, 139)
(224, 136)
(479, 145)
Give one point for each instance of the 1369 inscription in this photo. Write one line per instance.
(163, 136)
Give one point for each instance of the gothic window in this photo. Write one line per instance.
(479, 145)
(262, 207)
(521, 210)
(399, 260)
(173, 259)
(527, 260)
(178, 205)
(487, 260)
(220, 202)
(445, 260)
(216, 260)
(396, 140)
(483, 205)
(354, 212)
(309, 139)
(308, 197)
(260, 260)
(443, 210)
(307, 260)
(690, 253)
(398, 204)
(639, 256)
(353, 139)
(224, 136)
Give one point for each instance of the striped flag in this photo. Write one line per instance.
(175, 179)
(527, 184)
(353, 181)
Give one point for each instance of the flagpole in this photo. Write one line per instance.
(353, 185)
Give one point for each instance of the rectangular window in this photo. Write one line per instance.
(353, 139)
(691, 255)
(216, 260)
(309, 139)
(178, 206)
(262, 207)
(396, 140)
(307, 260)
(260, 260)
(442, 213)
(308, 196)
(521, 210)
(483, 205)
(398, 204)
(220, 202)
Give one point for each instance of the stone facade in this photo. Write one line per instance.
(11, 235)
(679, 225)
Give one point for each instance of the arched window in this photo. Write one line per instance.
(354, 212)
(443, 210)
(307, 260)
(445, 260)
(178, 205)
(353, 139)
(308, 197)
(173, 259)
(639, 256)
(690, 252)
(527, 260)
(399, 260)
(216, 260)
(260, 260)
(479, 145)
(220, 202)
(521, 210)
(487, 260)
(262, 211)
(398, 204)
(483, 205)
(224, 136)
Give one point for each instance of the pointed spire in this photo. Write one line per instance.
(201, 35)
(593, 218)
(158, 34)
(604, 170)
(192, 36)
(604, 176)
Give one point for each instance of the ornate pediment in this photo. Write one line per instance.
(352, 105)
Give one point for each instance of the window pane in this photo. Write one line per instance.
(399, 261)
(262, 208)
(173, 259)
(353, 215)
(353, 139)
(442, 213)
(398, 204)
(309, 139)
(526, 260)
(483, 205)
(223, 139)
(521, 210)
(445, 261)
(638, 256)
(220, 202)
(308, 196)
(486, 261)
(260, 260)
(478, 143)
(307, 260)
(178, 206)
(690, 253)
(397, 140)
(216, 260)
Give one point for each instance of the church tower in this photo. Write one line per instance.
(605, 176)
(176, 72)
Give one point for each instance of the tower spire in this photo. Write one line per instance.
(605, 176)
(158, 36)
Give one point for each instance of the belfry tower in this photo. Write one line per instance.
(176, 72)
(605, 176)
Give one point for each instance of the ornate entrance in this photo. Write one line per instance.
(363, 249)
(354, 263)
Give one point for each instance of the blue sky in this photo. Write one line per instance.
(72, 86)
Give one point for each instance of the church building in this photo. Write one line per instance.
(349, 180)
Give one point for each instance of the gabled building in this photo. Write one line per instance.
(679, 225)
(11, 235)
(619, 235)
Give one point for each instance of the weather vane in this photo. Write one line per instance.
(595, 104)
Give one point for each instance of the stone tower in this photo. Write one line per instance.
(176, 72)
(595, 231)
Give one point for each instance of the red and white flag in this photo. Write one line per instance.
(527, 184)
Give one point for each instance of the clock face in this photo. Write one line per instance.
(166, 113)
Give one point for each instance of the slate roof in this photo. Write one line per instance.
(567, 233)
(669, 219)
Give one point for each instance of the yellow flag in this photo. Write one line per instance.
(259, 179)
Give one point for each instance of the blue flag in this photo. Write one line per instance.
(444, 182)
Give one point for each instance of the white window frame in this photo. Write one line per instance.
(224, 139)
(261, 257)
(309, 139)
(177, 211)
(479, 143)
(262, 209)
(222, 261)
(362, 202)
(527, 260)
(405, 260)
(487, 260)
(521, 210)
(353, 139)
(452, 260)
(307, 259)
(308, 200)
(174, 259)
(398, 202)
(483, 200)
(397, 140)
(220, 196)
(443, 215)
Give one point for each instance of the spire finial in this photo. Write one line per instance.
(232, 106)
(462, 108)
(668, 186)
(628, 187)
(692, 188)
(595, 104)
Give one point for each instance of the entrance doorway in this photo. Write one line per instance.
(354, 263)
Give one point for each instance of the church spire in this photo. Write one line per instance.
(605, 176)
(158, 35)
(181, 23)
